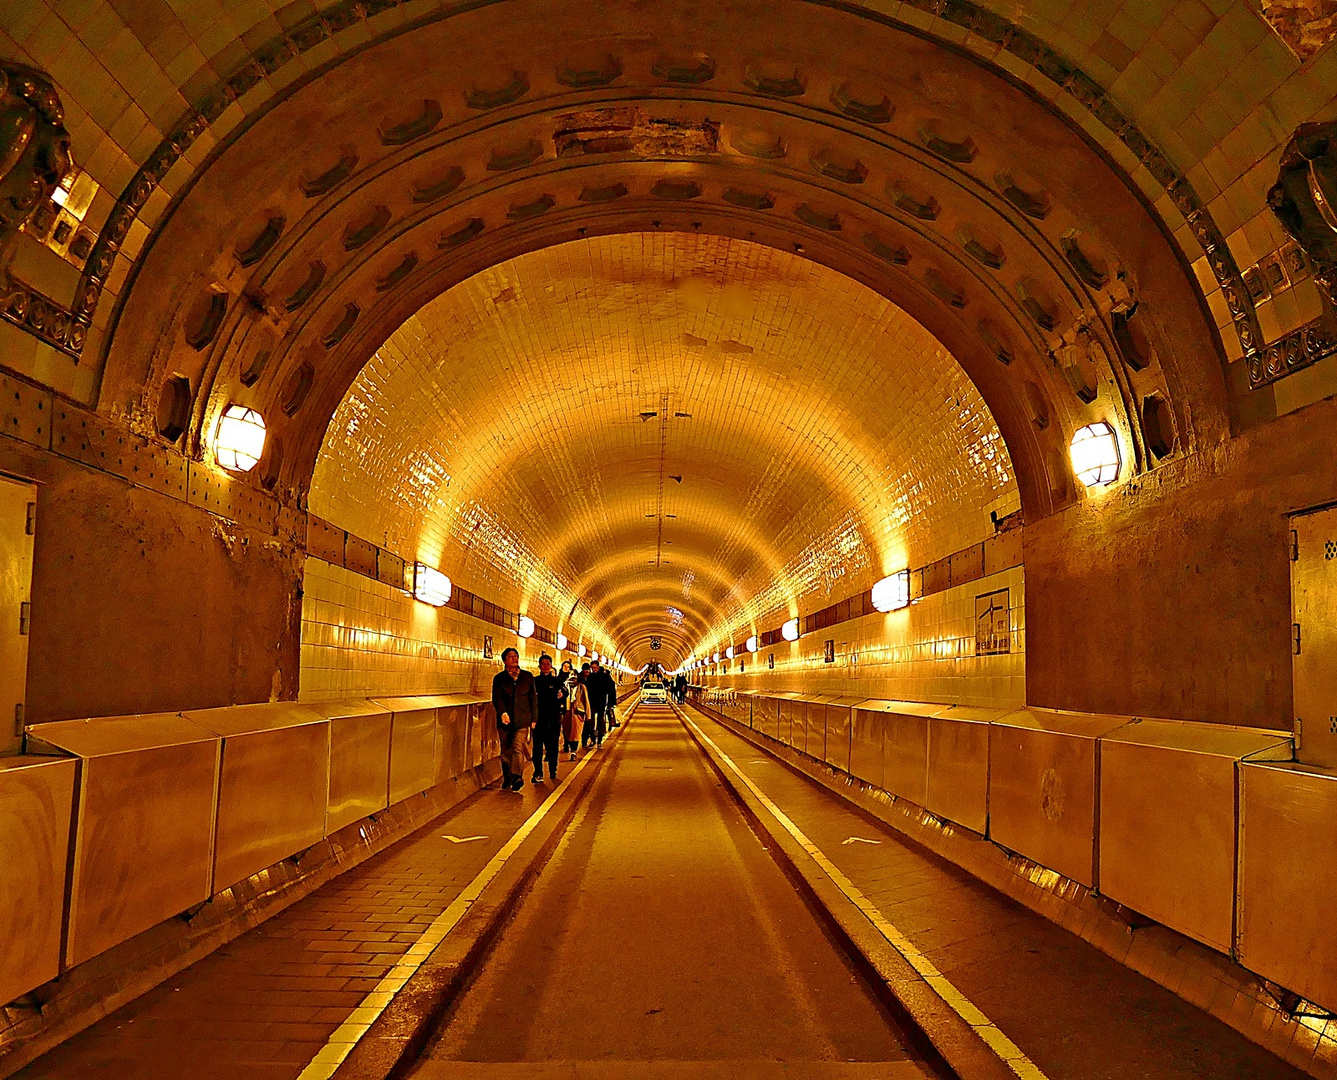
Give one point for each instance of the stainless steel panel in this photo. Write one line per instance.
(359, 760)
(786, 725)
(1042, 787)
(904, 727)
(452, 740)
(144, 830)
(766, 715)
(1287, 873)
(273, 786)
(36, 807)
(1314, 665)
(484, 719)
(958, 766)
(412, 752)
(866, 746)
(837, 748)
(1168, 821)
(16, 548)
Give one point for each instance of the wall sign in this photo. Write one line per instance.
(992, 623)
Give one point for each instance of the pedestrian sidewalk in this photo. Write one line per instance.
(1075, 1012)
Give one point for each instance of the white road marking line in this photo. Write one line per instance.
(857, 840)
(1000, 1044)
(347, 1035)
(460, 839)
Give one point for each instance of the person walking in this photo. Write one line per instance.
(515, 702)
(577, 708)
(548, 727)
(587, 728)
(603, 695)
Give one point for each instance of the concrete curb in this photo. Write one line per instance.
(398, 1036)
(948, 1042)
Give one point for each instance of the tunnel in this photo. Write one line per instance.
(623, 540)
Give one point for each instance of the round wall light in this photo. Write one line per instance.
(581, 650)
(1095, 454)
(752, 643)
(892, 593)
(790, 630)
(241, 439)
(561, 641)
(715, 659)
(526, 626)
(594, 656)
(728, 653)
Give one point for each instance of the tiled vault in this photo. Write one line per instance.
(662, 433)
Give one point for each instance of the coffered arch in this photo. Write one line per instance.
(426, 157)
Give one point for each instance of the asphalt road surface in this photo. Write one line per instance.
(663, 932)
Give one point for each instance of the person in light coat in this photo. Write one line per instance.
(577, 709)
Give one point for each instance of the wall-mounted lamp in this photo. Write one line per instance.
(581, 651)
(728, 653)
(594, 656)
(526, 626)
(1095, 454)
(752, 643)
(892, 593)
(715, 659)
(790, 630)
(430, 585)
(240, 442)
(561, 641)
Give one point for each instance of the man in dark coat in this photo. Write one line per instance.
(551, 691)
(516, 704)
(603, 696)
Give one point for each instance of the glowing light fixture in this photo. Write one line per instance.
(241, 439)
(561, 641)
(594, 656)
(751, 645)
(790, 630)
(526, 626)
(715, 659)
(430, 585)
(1095, 454)
(581, 650)
(728, 653)
(892, 593)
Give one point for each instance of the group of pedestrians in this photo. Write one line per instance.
(567, 708)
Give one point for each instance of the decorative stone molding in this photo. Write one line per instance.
(34, 147)
(1304, 199)
(977, 20)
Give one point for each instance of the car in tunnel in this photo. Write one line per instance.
(653, 693)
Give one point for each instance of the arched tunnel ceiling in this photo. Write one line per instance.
(663, 422)
(931, 173)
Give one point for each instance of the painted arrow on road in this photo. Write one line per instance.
(461, 839)
(857, 840)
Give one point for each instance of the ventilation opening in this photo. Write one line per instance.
(298, 386)
(1158, 426)
(174, 408)
(269, 476)
(204, 318)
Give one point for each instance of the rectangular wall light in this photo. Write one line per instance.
(892, 593)
(430, 585)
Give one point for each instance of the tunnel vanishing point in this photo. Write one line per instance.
(943, 392)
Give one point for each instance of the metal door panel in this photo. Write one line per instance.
(1314, 665)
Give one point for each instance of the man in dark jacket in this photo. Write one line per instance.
(551, 693)
(516, 704)
(603, 696)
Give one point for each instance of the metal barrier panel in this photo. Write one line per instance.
(144, 830)
(359, 761)
(905, 753)
(837, 750)
(272, 788)
(1042, 787)
(866, 746)
(1287, 862)
(412, 750)
(36, 807)
(1168, 821)
(958, 767)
